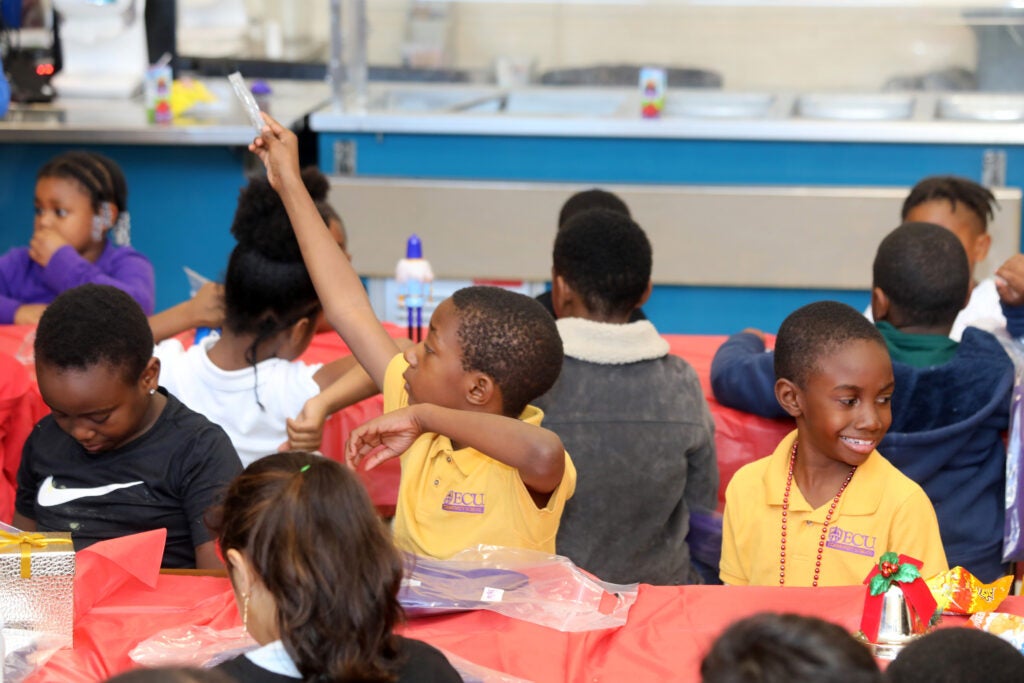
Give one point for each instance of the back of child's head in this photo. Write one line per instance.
(99, 176)
(267, 287)
(922, 268)
(511, 338)
(91, 325)
(787, 648)
(815, 331)
(606, 258)
(307, 527)
(957, 655)
(587, 200)
(956, 190)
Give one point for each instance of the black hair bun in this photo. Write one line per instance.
(316, 183)
(261, 223)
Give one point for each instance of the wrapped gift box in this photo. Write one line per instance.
(37, 576)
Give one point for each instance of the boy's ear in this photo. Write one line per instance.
(789, 396)
(879, 304)
(646, 294)
(563, 298)
(482, 390)
(982, 243)
(150, 377)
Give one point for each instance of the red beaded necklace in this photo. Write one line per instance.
(824, 527)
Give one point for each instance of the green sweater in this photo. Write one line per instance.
(918, 350)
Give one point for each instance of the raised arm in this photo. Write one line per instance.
(345, 303)
(537, 453)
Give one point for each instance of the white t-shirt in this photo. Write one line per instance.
(982, 311)
(228, 398)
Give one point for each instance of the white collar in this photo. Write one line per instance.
(611, 343)
(274, 658)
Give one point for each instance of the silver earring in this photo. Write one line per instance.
(152, 391)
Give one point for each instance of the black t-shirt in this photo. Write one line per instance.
(166, 478)
(423, 664)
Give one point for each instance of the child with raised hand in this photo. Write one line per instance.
(316, 578)
(477, 467)
(118, 454)
(248, 378)
(825, 505)
(80, 198)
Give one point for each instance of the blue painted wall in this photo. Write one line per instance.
(181, 201)
(676, 309)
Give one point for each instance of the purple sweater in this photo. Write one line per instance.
(23, 281)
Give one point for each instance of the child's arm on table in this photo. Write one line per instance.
(537, 453)
(345, 302)
(22, 522)
(205, 309)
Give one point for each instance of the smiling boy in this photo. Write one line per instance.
(825, 505)
(477, 467)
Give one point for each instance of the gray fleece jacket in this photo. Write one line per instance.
(641, 436)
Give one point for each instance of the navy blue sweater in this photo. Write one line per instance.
(946, 434)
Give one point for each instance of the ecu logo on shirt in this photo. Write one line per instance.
(462, 501)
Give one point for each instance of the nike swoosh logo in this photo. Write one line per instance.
(49, 495)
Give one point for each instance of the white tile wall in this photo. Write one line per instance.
(752, 47)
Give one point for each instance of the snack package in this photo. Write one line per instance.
(1009, 627)
(957, 591)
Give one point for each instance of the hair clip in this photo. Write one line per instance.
(304, 468)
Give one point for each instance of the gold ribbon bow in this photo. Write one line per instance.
(27, 540)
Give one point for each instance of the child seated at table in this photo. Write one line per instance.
(787, 648)
(316, 578)
(477, 467)
(81, 197)
(117, 455)
(825, 505)
(632, 415)
(952, 400)
(957, 655)
(582, 202)
(248, 378)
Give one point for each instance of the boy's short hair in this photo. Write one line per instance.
(587, 200)
(955, 190)
(787, 648)
(512, 339)
(606, 258)
(957, 654)
(814, 331)
(94, 324)
(923, 269)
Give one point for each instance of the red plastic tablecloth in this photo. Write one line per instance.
(668, 631)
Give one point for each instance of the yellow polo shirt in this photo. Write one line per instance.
(449, 500)
(881, 510)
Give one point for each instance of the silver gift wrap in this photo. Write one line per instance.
(45, 602)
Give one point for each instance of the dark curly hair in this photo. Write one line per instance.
(955, 190)
(587, 200)
(307, 526)
(606, 258)
(93, 324)
(511, 338)
(923, 270)
(814, 331)
(267, 288)
(787, 648)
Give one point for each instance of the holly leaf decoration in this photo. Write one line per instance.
(907, 573)
(889, 557)
(879, 584)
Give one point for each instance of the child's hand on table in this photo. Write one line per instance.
(306, 430)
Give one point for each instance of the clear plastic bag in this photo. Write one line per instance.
(529, 585)
(27, 651)
(1013, 527)
(192, 646)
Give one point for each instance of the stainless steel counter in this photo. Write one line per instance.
(942, 118)
(80, 121)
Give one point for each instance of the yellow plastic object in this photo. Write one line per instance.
(186, 93)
